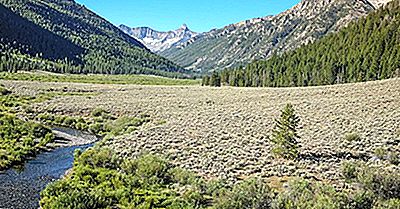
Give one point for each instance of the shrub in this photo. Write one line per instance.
(4, 91)
(352, 137)
(380, 153)
(284, 137)
(304, 194)
(382, 183)
(153, 170)
(394, 158)
(102, 180)
(362, 200)
(69, 121)
(349, 170)
(98, 112)
(96, 128)
(251, 194)
(124, 125)
(97, 158)
(388, 204)
(18, 139)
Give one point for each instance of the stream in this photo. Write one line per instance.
(20, 188)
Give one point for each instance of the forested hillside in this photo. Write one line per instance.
(71, 39)
(368, 49)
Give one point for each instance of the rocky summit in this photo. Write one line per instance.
(158, 41)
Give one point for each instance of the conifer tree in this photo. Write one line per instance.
(284, 137)
(205, 81)
(215, 80)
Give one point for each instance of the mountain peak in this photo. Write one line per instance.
(158, 41)
(184, 27)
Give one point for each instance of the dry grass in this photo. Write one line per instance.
(224, 132)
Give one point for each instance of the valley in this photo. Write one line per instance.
(299, 109)
(225, 132)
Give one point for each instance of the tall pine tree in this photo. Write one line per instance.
(284, 137)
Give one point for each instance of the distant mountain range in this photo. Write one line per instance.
(260, 38)
(159, 41)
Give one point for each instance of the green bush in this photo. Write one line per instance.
(19, 139)
(96, 128)
(380, 153)
(382, 183)
(352, 137)
(388, 204)
(4, 91)
(98, 112)
(69, 121)
(394, 158)
(349, 170)
(124, 125)
(251, 194)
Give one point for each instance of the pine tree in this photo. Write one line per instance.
(215, 80)
(284, 137)
(205, 81)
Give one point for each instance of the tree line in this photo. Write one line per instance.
(366, 50)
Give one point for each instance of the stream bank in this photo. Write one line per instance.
(21, 187)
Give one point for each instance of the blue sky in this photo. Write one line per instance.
(199, 15)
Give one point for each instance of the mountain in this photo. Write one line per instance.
(71, 38)
(15, 30)
(159, 41)
(260, 38)
(366, 50)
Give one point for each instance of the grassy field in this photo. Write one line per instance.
(97, 79)
(224, 132)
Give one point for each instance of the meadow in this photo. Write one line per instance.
(225, 134)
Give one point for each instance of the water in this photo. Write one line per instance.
(20, 188)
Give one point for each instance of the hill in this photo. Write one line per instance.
(260, 38)
(69, 35)
(366, 50)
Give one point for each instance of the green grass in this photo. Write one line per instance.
(97, 79)
(19, 138)
(100, 122)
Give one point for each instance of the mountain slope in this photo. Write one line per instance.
(262, 37)
(14, 30)
(159, 41)
(106, 48)
(368, 49)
